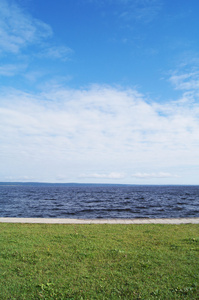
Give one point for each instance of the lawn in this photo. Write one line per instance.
(42, 261)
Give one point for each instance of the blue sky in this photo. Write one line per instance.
(99, 91)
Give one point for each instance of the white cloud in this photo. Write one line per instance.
(11, 69)
(186, 81)
(20, 178)
(154, 175)
(18, 29)
(61, 52)
(140, 10)
(70, 132)
(112, 175)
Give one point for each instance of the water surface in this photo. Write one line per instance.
(98, 201)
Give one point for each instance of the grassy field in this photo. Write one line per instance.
(40, 261)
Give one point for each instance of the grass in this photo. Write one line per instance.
(40, 261)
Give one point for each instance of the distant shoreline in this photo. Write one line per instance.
(74, 184)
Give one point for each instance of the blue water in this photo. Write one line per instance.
(98, 201)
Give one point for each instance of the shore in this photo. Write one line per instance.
(101, 221)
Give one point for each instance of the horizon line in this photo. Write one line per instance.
(91, 183)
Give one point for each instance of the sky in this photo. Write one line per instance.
(99, 91)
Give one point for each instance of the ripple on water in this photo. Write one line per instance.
(88, 201)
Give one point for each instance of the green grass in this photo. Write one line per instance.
(40, 261)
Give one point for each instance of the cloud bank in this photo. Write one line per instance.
(104, 132)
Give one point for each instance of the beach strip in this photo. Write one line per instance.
(101, 221)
